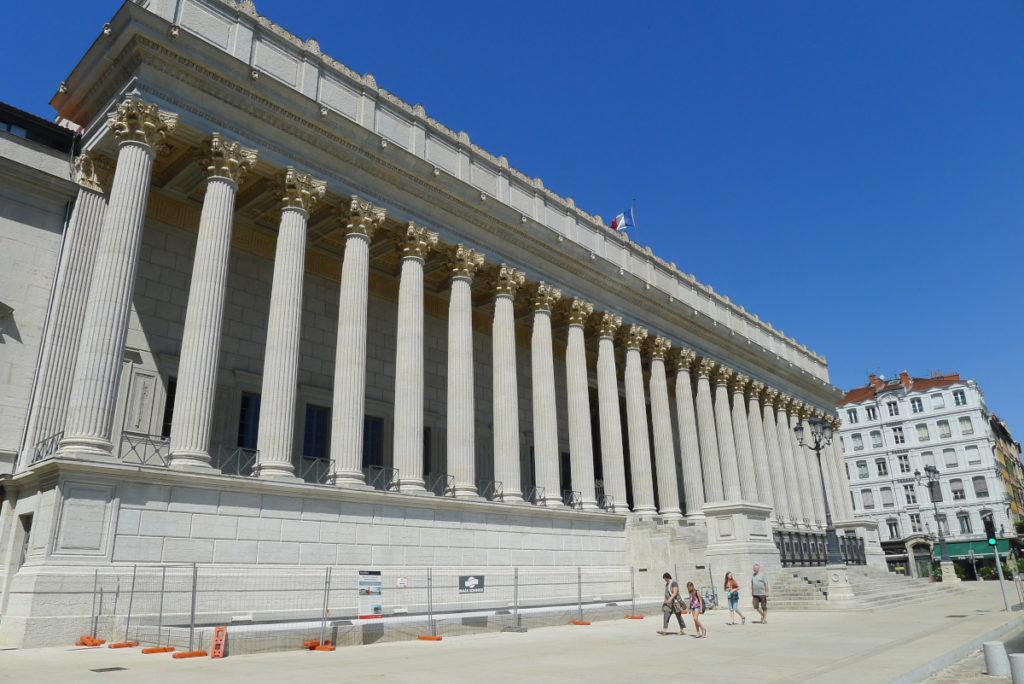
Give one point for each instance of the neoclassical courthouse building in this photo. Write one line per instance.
(258, 311)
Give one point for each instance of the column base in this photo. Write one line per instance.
(192, 461)
(281, 472)
(551, 503)
(348, 480)
(645, 512)
(86, 449)
(948, 571)
(839, 588)
(467, 494)
(413, 488)
(671, 515)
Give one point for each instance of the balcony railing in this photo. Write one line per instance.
(490, 490)
(138, 448)
(441, 484)
(314, 470)
(235, 460)
(47, 447)
(382, 478)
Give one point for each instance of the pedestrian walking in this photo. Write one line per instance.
(732, 592)
(673, 605)
(696, 608)
(759, 590)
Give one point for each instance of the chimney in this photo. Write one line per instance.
(905, 379)
(874, 381)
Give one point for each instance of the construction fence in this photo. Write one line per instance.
(283, 608)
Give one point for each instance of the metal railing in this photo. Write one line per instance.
(535, 495)
(141, 449)
(47, 447)
(314, 470)
(491, 490)
(607, 502)
(810, 549)
(572, 498)
(382, 478)
(441, 484)
(235, 460)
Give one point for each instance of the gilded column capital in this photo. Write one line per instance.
(301, 190)
(464, 261)
(608, 324)
(577, 310)
(782, 402)
(93, 171)
(416, 241)
(633, 336)
(755, 388)
(660, 347)
(723, 375)
(738, 383)
(135, 121)
(769, 396)
(705, 367)
(507, 281)
(835, 422)
(683, 359)
(545, 297)
(363, 218)
(818, 414)
(226, 159)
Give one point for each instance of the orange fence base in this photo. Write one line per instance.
(86, 640)
(123, 644)
(314, 644)
(323, 647)
(427, 637)
(634, 617)
(580, 622)
(158, 649)
(189, 654)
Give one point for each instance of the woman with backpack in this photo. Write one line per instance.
(673, 605)
(732, 592)
(696, 608)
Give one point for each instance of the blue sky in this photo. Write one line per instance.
(851, 172)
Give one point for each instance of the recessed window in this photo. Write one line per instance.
(894, 529)
(966, 426)
(904, 462)
(915, 522)
(862, 469)
(882, 466)
(922, 432)
(949, 458)
(249, 421)
(965, 522)
(894, 408)
(887, 498)
(957, 488)
(980, 487)
(872, 413)
(858, 442)
(314, 438)
(959, 398)
(916, 405)
(928, 458)
(851, 416)
(373, 443)
(973, 455)
(876, 439)
(943, 426)
(897, 435)
(908, 491)
(937, 401)
(172, 387)
(867, 499)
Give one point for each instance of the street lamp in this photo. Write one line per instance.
(931, 474)
(821, 433)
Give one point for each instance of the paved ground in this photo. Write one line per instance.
(793, 647)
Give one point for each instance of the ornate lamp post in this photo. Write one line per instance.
(821, 434)
(931, 475)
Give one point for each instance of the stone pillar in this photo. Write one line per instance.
(463, 264)
(226, 165)
(844, 507)
(707, 433)
(581, 447)
(693, 480)
(636, 420)
(300, 193)
(140, 130)
(741, 433)
(776, 469)
(726, 438)
(796, 407)
(793, 495)
(813, 474)
(758, 447)
(70, 294)
(828, 467)
(415, 243)
(661, 422)
(349, 402)
(545, 421)
(506, 284)
(612, 459)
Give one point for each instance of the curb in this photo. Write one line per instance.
(962, 651)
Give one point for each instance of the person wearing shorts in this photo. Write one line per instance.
(759, 590)
(732, 592)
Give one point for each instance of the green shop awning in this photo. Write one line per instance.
(959, 550)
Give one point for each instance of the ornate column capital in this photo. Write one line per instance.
(723, 375)
(416, 241)
(683, 359)
(705, 367)
(755, 388)
(818, 414)
(226, 159)
(738, 383)
(769, 396)
(545, 297)
(782, 401)
(139, 122)
(835, 422)
(577, 310)
(659, 347)
(507, 281)
(464, 262)
(93, 171)
(363, 218)
(798, 408)
(301, 190)
(633, 336)
(608, 324)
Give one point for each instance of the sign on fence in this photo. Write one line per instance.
(471, 584)
(371, 604)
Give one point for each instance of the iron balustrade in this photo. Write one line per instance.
(535, 495)
(382, 478)
(441, 484)
(314, 470)
(139, 448)
(235, 460)
(491, 490)
(47, 447)
(572, 499)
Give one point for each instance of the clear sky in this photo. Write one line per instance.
(851, 172)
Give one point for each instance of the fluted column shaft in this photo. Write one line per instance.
(843, 481)
(506, 391)
(762, 470)
(814, 476)
(693, 485)
(832, 481)
(802, 476)
(793, 498)
(581, 448)
(714, 492)
(636, 421)
(64, 328)
(460, 415)
(612, 459)
(664, 446)
(744, 450)
(726, 439)
(105, 323)
(545, 422)
(776, 468)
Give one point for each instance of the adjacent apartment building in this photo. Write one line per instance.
(892, 429)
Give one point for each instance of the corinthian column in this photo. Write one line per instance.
(762, 475)
(140, 130)
(776, 469)
(796, 408)
(612, 460)
(708, 434)
(349, 402)
(581, 447)
(693, 485)
(226, 164)
(741, 433)
(636, 420)
(545, 421)
(661, 422)
(844, 507)
(70, 295)
(463, 264)
(793, 497)
(726, 439)
(300, 192)
(506, 284)
(415, 243)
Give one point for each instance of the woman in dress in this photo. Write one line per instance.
(696, 607)
(673, 605)
(732, 592)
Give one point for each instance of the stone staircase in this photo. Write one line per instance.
(874, 589)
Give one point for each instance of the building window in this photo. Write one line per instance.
(916, 405)
(973, 455)
(427, 452)
(949, 457)
(928, 458)
(959, 398)
(872, 413)
(373, 447)
(862, 469)
(937, 401)
(943, 525)
(965, 522)
(980, 487)
(249, 421)
(915, 522)
(904, 461)
(944, 432)
(846, 466)
(922, 432)
(876, 439)
(908, 491)
(894, 528)
(172, 386)
(894, 408)
(888, 501)
(314, 439)
(883, 467)
(897, 435)
(858, 442)
(966, 426)
(867, 499)
(957, 487)
(851, 416)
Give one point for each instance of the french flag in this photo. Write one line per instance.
(623, 221)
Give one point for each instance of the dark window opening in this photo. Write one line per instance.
(314, 440)
(172, 387)
(249, 421)
(372, 447)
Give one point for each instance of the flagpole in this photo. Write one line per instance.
(636, 221)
